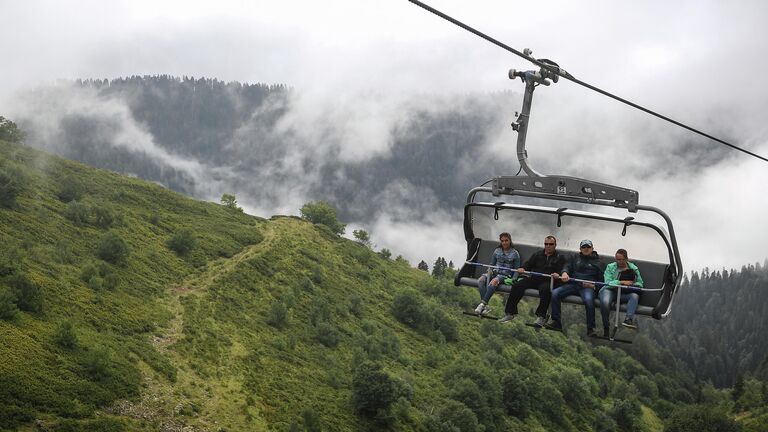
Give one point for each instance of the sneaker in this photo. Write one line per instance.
(541, 321)
(507, 318)
(486, 309)
(591, 332)
(479, 309)
(629, 322)
(554, 325)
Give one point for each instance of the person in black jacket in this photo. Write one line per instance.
(585, 266)
(548, 261)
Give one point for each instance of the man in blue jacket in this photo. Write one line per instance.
(585, 266)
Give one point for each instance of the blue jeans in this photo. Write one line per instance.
(486, 289)
(608, 296)
(587, 296)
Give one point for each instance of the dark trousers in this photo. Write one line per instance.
(518, 290)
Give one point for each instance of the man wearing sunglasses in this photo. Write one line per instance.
(548, 261)
(585, 266)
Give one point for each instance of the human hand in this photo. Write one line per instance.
(564, 277)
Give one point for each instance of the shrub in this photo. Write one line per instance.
(65, 336)
(356, 305)
(77, 213)
(327, 335)
(700, 418)
(96, 363)
(182, 241)
(28, 295)
(8, 308)
(102, 216)
(13, 181)
(407, 307)
(278, 315)
(10, 260)
(322, 213)
(112, 248)
(453, 416)
(70, 189)
(373, 390)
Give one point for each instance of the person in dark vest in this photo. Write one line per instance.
(585, 266)
(548, 261)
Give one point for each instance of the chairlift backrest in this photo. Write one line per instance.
(530, 224)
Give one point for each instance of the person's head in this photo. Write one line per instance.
(621, 257)
(550, 243)
(585, 247)
(506, 240)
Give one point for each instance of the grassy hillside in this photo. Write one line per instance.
(216, 320)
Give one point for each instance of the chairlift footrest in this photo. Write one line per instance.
(480, 315)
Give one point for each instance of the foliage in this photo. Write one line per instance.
(28, 295)
(182, 241)
(229, 201)
(9, 131)
(70, 189)
(373, 391)
(323, 213)
(112, 248)
(13, 182)
(439, 267)
(8, 308)
(362, 237)
(65, 335)
(278, 315)
(77, 213)
(423, 266)
(700, 418)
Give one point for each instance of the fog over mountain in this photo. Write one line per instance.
(367, 86)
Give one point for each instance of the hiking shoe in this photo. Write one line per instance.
(479, 309)
(630, 322)
(591, 332)
(507, 318)
(554, 325)
(541, 321)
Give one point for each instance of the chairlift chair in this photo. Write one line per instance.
(652, 246)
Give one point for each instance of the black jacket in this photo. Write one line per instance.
(585, 267)
(540, 263)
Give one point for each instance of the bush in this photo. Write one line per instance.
(8, 308)
(182, 241)
(77, 213)
(407, 307)
(700, 418)
(65, 335)
(453, 416)
(70, 189)
(112, 248)
(10, 260)
(13, 181)
(102, 216)
(327, 335)
(278, 315)
(96, 363)
(322, 213)
(28, 295)
(373, 390)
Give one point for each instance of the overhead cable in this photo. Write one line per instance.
(571, 78)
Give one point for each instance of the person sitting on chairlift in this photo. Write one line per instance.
(506, 257)
(585, 266)
(547, 261)
(622, 272)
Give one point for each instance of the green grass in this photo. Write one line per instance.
(200, 339)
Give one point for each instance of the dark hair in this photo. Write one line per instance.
(552, 237)
(623, 252)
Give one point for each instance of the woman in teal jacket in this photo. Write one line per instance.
(622, 272)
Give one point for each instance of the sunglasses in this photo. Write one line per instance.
(585, 247)
(549, 244)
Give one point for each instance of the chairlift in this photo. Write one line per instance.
(523, 206)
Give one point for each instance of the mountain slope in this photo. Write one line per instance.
(265, 325)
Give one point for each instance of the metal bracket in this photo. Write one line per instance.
(570, 188)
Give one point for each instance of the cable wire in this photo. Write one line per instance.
(571, 78)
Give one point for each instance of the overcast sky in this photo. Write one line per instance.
(700, 62)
